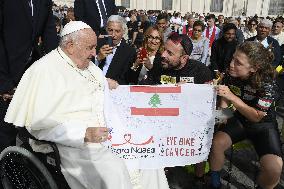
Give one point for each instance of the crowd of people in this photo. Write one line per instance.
(58, 65)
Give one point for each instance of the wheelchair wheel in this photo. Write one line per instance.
(20, 169)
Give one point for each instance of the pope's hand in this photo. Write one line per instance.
(96, 134)
(112, 84)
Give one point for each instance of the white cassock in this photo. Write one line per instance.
(56, 102)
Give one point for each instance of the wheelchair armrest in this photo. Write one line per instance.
(24, 136)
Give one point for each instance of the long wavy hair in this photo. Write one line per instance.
(148, 33)
(260, 58)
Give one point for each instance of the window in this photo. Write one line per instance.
(276, 7)
(167, 4)
(125, 3)
(216, 6)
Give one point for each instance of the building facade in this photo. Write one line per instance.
(225, 7)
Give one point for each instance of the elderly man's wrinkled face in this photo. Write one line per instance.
(85, 48)
(115, 30)
(277, 28)
(171, 57)
(262, 31)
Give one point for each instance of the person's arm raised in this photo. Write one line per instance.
(103, 52)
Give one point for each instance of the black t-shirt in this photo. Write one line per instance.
(132, 27)
(261, 99)
(193, 72)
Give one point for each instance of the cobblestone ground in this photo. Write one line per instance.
(244, 169)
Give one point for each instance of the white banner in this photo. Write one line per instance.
(162, 126)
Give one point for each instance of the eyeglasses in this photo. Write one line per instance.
(252, 24)
(150, 37)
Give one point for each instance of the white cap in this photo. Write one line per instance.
(73, 26)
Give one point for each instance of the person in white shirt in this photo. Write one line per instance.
(63, 98)
(163, 25)
(211, 31)
(200, 44)
(277, 31)
(220, 21)
(175, 21)
(250, 30)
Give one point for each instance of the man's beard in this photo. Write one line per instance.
(168, 66)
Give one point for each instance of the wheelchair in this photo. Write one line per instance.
(23, 168)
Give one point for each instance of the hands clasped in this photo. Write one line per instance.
(112, 84)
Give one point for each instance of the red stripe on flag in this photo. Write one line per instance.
(151, 89)
(155, 111)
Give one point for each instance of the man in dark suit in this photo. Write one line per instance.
(95, 13)
(263, 30)
(115, 59)
(22, 22)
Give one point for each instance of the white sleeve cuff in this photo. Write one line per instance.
(70, 133)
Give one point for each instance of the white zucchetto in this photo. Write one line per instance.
(73, 26)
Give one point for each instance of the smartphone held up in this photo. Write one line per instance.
(143, 53)
(109, 41)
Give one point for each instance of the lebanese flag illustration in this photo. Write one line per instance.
(157, 95)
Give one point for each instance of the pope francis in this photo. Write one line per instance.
(62, 98)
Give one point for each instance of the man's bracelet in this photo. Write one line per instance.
(134, 68)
